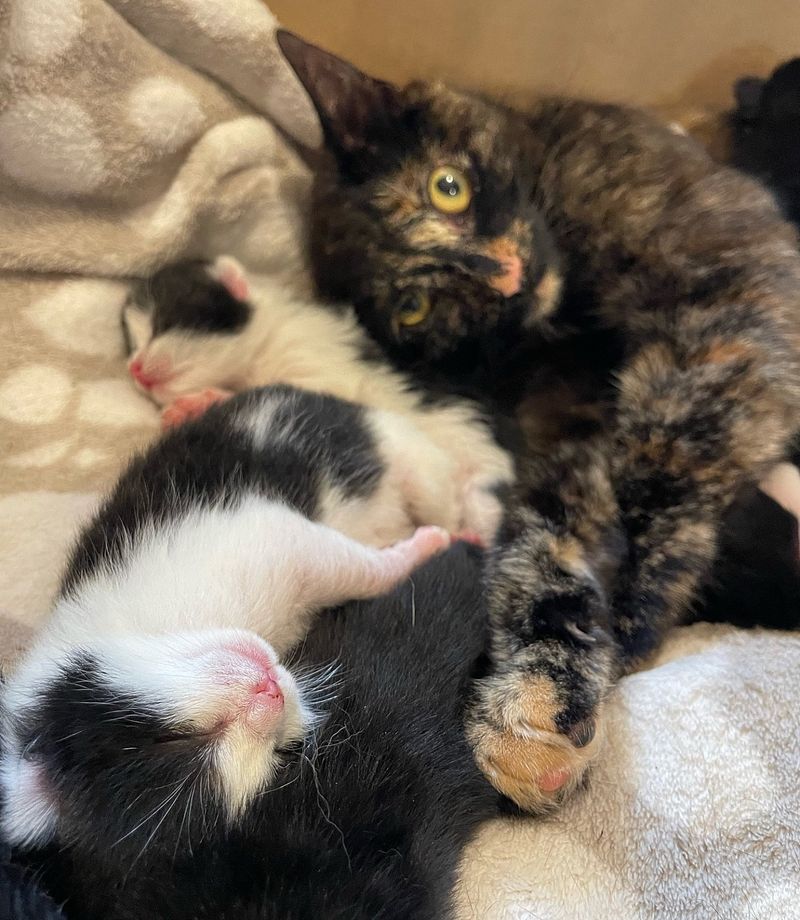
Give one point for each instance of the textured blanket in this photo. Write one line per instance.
(133, 132)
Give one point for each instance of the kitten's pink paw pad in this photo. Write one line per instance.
(192, 406)
(470, 536)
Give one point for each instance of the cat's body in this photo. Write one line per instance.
(195, 327)
(511, 230)
(368, 820)
(164, 658)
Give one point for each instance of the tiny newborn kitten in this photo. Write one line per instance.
(159, 669)
(367, 820)
(198, 332)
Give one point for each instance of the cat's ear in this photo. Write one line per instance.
(355, 110)
(231, 276)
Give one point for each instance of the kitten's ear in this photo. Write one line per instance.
(353, 107)
(231, 276)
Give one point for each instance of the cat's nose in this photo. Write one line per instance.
(144, 379)
(253, 669)
(509, 278)
(269, 691)
(263, 706)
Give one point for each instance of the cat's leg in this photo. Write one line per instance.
(419, 477)
(536, 721)
(340, 569)
(188, 407)
(699, 415)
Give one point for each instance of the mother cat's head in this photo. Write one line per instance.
(430, 226)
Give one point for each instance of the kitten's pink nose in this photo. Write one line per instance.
(136, 368)
(265, 706)
(265, 694)
(268, 689)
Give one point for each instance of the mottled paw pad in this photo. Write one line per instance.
(521, 750)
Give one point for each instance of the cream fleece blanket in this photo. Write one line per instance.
(136, 131)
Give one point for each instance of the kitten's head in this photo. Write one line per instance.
(431, 226)
(185, 326)
(144, 741)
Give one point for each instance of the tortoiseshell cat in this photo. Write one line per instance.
(583, 248)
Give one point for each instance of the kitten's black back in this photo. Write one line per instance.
(217, 459)
(369, 822)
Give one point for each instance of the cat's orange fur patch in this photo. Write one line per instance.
(726, 351)
(505, 250)
(548, 290)
(568, 553)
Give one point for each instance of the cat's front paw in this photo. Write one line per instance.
(529, 738)
(186, 408)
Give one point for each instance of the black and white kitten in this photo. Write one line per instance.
(198, 332)
(366, 821)
(162, 668)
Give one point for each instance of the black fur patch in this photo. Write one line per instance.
(184, 296)
(212, 460)
(118, 766)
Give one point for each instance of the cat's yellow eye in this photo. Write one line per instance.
(413, 310)
(449, 190)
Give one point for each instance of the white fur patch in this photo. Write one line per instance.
(29, 814)
(138, 325)
(49, 143)
(165, 113)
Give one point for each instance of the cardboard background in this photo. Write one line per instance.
(664, 52)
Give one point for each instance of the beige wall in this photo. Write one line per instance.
(646, 51)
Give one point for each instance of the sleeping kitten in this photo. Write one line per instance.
(680, 280)
(162, 659)
(198, 332)
(365, 821)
